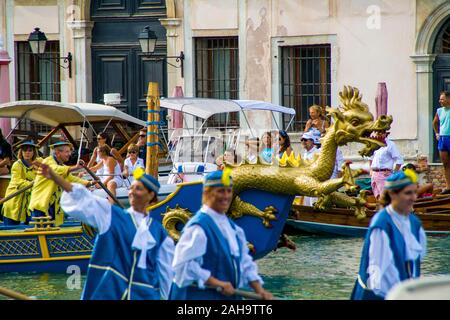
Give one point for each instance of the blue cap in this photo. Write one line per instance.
(60, 144)
(147, 180)
(400, 179)
(218, 179)
(27, 143)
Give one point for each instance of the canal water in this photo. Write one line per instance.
(321, 268)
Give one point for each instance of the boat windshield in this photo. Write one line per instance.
(204, 148)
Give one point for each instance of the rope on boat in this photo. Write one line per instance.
(14, 294)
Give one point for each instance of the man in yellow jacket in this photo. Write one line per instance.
(45, 194)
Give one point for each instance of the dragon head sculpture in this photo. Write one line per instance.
(354, 123)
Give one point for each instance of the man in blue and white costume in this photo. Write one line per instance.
(395, 242)
(133, 254)
(212, 253)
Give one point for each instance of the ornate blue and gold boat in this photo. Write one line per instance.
(43, 248)
(262, 235)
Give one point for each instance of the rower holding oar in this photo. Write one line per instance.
(15, 210)
(395, 242)
(45, 193)
(212, 252)
(133, 254)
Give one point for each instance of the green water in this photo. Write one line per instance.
(321, 268)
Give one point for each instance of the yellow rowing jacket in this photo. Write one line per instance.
(46, 192)
(21, 176)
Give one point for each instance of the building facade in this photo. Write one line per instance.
(291, 52)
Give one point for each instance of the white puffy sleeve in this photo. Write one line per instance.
(423, 243)
(165, 258)
(249, 269)
(188, 258)
(395, 154)
(383, 274)
(84, 206)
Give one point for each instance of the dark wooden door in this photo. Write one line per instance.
(128, 72)
(441, 83)
(118, 65)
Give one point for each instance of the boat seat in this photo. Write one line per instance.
(191, 168)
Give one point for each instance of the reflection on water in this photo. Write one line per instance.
(321, 268)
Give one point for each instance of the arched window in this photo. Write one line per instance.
(442, 44)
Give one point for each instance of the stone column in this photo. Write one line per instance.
(173, 74)
(424, 71)
(174, 78)
(5, 60)
(82, 62)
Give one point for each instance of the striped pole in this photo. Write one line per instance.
(151, 166)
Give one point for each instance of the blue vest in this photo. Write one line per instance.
(383, 221)
(113, 273)
(217, 259)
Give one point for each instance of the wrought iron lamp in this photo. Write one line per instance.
(147, 40)
(38, 40)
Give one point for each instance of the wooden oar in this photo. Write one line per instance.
(94, 176)
(13, 294)
(15, 194)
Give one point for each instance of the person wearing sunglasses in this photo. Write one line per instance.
(142, 144)
(108, 170)
(284, 143)
(132, 162)
(395, 242)
(103, 140)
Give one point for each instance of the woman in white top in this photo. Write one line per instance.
(108, 170)
(132, 162)
(102, 140)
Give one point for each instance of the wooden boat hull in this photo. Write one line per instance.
(23, 249)
(343, 222)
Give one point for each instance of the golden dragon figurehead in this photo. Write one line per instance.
(354, 123)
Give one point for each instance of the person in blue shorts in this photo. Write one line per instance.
(441, 126)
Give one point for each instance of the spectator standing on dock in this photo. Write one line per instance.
(395, 243)
(441, 126)
(212, 251)
(384, 161)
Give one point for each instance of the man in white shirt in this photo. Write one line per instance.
(383, 162)
(309, 148)
(212, 258)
